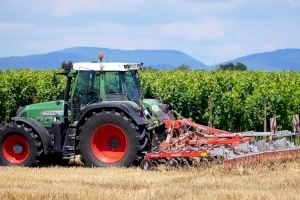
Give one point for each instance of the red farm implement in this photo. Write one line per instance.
(189, 144)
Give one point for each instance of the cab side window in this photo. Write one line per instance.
(86, 89)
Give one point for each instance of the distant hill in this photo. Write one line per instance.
(160, 59)
(282, 59)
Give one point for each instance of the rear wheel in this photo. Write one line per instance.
(111, 139)
(19, 146)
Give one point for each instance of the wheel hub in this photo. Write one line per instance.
(15, 148)
(18, 148)
(114, 143)
(109, 143)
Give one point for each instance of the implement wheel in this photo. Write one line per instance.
(146, 165)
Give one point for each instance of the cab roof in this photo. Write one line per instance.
(111, 66)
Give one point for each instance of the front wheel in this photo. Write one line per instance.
(110, 139)
(19, 146)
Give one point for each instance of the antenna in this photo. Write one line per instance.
(107, 55)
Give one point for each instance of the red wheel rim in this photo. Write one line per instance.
(15, 149)
(108, 143)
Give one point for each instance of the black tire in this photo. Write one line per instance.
(146, 165)
(16, 135)
(135, 139)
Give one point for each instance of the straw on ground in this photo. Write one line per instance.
(271, 181)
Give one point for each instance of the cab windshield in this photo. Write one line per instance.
(132, 84)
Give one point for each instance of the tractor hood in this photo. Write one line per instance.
(45, 113)
(157, 110)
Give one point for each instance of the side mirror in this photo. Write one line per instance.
(55, 81)
(67, 65)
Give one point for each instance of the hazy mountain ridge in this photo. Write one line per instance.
(161, 59)
(282, 59)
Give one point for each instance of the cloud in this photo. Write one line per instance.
(207, 29)
(212, 40)
(201, 30)
(292, 3)
(211, 30)
(71, 7)
(8, 26)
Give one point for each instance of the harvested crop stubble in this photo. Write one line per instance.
(264, 181)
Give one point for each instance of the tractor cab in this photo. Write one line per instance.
(101, 82)
(111, 82)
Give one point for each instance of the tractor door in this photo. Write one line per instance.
(86, 90)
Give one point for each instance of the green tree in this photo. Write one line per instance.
(231, 66)
(183, 67)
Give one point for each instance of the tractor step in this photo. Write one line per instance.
(69, 144)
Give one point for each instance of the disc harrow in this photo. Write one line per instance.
(190, 144)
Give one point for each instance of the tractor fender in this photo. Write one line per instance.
(126, 107)
(40, 130)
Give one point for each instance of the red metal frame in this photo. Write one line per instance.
(196, 137)
(186, 134)
(175, 154)
(178, 123)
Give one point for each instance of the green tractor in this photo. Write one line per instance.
(103, 118)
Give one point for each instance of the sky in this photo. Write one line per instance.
(211, 31)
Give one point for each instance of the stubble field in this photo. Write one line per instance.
(264, 181)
